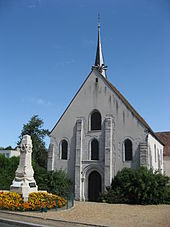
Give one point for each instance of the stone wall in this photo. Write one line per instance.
(96, 96)
(143, 154)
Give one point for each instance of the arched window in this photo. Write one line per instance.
(95, 121)
(128, 150)
(64, 150)
(94, 150)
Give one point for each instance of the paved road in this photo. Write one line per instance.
(25, 221)
(6, 225)
(56, 224)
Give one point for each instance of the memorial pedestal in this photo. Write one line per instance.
(24, 177)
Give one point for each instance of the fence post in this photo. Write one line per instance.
(21, 203)
(56, 203)
(67, 201)
(15, 203)
(45, 210)
(72, 199)
(2, 201)
(40, 206)
(61, 199)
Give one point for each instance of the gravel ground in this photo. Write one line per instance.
(111, 215)
(117, 215)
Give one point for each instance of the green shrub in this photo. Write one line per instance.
(54, 181)
(8, 167)
(40, 175)
(59, 183)
(140, 186)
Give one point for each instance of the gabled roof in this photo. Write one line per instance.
(70, 102)
(128, 105)
(122, 98)
(165, 138)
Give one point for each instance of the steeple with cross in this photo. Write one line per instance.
(99, 62)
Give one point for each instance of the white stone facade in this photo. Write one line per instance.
(155, 151)
(122, 129)
(165, 138)
(10, 153)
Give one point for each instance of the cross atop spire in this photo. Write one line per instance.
(98, 19)
(99, 62)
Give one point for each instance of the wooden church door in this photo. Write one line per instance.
(94, 186)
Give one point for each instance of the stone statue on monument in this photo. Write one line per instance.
(24, 177)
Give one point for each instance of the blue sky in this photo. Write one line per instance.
(47, 48)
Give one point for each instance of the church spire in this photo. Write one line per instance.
(99, 62)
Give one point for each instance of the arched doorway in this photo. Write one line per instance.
(94, 186)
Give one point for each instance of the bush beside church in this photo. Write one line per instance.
(141, 186)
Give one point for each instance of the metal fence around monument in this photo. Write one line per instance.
(68, 198)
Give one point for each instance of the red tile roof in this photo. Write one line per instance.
(165, 138)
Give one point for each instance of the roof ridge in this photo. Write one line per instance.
(163, 132)
(124, 100)
(131, 108)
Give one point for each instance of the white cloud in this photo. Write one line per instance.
(65, 63)
(89, 42)
(40, 101)
(31, 6)
(37, 101)
(32, 3)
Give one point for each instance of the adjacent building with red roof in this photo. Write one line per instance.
(165, 138)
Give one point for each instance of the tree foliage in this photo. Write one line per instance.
(8, 167)
(7, 148)
(56, 182)
(140, 186)
(37, 133)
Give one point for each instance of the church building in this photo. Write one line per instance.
(99, 134)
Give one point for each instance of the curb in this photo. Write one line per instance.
(20, 223)
(77, 223)
(41, 225)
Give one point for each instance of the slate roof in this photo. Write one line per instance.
(165, 138)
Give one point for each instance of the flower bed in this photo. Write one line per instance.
(36, 201)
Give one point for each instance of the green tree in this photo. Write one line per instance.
(54, 181)
(40, 175)
(7, 148)
(37, 133)
(8, 167)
